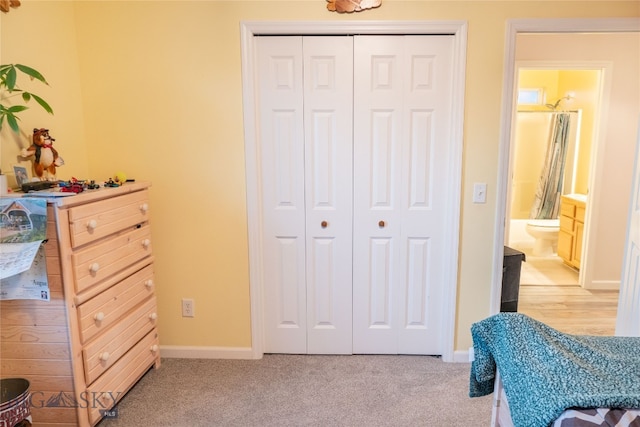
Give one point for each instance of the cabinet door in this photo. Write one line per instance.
(577, 249)
(565, 245)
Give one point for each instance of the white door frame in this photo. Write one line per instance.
(249, 30)
(515, 26)
(628, 320)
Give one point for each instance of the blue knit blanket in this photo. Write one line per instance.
(545, 371)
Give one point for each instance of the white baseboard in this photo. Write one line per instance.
(191, 352)
(461, 356)
(603, 285)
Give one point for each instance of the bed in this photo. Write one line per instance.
(543, 377)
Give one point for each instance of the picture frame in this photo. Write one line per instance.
(22, 176)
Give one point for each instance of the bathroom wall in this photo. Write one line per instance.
(532, 133)
(584, 86)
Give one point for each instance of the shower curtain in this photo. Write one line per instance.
(547, 201)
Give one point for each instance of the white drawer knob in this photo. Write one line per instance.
(149, 284)
(153, 316)
(104, 356)
(154, 348)
(91, 225)
(94, 267)
(99, 317)
(144, 208)
(146, 243)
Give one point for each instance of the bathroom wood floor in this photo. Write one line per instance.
(549, 292)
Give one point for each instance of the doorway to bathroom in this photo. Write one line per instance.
(613, 44)
(553, 134)
(553, 140)
(606, 198)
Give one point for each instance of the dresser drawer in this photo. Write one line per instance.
(103, 310)
(97, 262)
(90, 222)
(107, 390)
(110, 346)
(580, 213)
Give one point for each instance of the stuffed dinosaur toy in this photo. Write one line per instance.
(46, 157)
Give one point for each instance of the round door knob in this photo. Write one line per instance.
(380, 224)
(154, 348)
(99, 317)
(144, 208)
(146, 243)
(94, 267)
(149, 284)
(104, 356)
(153, 316)
(91, 225)
(324, 224)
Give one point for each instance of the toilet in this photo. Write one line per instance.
(545, 231)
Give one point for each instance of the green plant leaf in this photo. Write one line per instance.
(34, 74)
(13, 122)
(11, 79)
(42, 103)
(17, 108)
(8, 81)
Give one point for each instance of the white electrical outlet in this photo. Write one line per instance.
(188, 307)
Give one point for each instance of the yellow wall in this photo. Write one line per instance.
(547, 80)
(43, 35)
(584, 86)
(162, 100)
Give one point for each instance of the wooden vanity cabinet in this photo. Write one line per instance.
(572, 213)
(97, 336)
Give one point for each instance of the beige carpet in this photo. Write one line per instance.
(290, 390)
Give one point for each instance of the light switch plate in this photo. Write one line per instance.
(479, 192)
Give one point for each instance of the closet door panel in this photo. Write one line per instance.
(398, 164)
(328, 81)
(378, 107)
(427, 112)
(283, 198)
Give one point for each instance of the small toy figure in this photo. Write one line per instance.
(111, 183)
(72, 186)
(92, 185)
(46, 157)
(120, 178)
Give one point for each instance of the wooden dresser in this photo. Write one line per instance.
(572, 210)
(98, 335)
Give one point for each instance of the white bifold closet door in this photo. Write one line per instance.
(353, 146)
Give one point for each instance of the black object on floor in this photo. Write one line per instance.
(511, 266)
